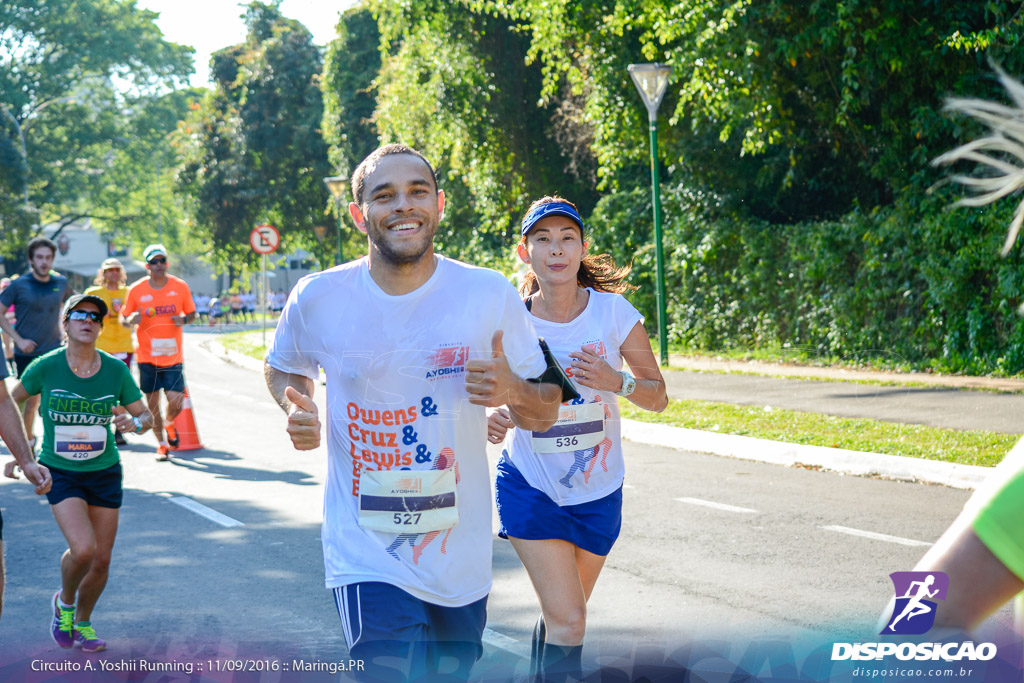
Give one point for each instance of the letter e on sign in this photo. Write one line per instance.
(264, 239)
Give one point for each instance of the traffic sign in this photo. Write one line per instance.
(264, 239)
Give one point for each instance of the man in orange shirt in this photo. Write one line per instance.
(160, 305)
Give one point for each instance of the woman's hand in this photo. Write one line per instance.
(498, 424)
(123, 421)
(590, 370)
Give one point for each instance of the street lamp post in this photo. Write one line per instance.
(651, 80)
(337, 184)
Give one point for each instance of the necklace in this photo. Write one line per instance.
(89, 369)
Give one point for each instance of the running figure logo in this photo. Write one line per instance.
(913, 613)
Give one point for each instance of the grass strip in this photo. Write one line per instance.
(246, 342)
(967, 447)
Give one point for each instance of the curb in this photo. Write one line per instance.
(759, 450)
(798, 455)
(233, 357)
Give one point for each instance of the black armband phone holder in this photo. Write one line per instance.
(554, 374)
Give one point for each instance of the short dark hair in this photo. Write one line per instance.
(41, 242)
(367, 166)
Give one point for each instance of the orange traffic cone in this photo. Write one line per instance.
(185, 424)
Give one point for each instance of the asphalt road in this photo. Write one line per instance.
(710, 548)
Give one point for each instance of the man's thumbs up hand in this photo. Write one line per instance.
(303, 420)
(489, 381)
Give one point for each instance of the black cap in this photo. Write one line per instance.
(76, 299)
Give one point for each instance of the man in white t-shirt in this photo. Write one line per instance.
(414, 346)
(202, 302)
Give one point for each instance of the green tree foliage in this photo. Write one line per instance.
(253, 150)
(351, 64)
(795, 139)
(454, 83)
(794, 110)
(910, 283)
(139, 178)
(70, 72)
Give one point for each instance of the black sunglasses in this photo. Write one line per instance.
(159, 259)
(86, 315)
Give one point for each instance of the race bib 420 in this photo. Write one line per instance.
(79, 442)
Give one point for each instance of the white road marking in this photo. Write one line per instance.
(876, 536)
(207, 512)
(213, 390)
(501, 641)
(716, 506)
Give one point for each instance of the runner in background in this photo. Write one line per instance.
(277, 302)
(249, 301)
(5, 339)
(202, 302)
(38, 295)
(215, 314)
(224, 306)
(237, 309)
(87, 393)
(559, 492)
(115, 338)
(159, 306)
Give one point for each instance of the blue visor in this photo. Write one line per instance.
(551, 209)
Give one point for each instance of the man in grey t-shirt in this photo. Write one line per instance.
(37, 297)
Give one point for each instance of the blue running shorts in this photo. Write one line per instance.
(528, 513)
(399, 637)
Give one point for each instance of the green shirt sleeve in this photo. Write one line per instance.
(32, 378)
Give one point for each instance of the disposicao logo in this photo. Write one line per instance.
(916, 593)
(913, 614)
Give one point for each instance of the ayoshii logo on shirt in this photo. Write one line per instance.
(447, 361)
(914, 611)
(597, 348)
(408, 485)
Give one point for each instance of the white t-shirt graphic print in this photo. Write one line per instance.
(580, 475)
(396, 399)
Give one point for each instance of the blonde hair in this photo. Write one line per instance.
(100, 281)
(599, 272)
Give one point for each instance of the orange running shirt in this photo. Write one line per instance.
(159, 339)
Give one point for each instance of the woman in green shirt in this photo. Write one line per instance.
(85, 394)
